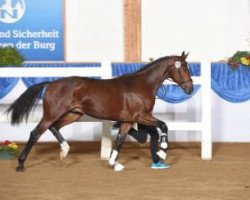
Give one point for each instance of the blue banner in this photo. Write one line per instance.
(34, 27)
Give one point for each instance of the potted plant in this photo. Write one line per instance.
(10, 56)
(240, 58)
(8, 150)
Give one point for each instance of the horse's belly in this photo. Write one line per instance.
(111, 112)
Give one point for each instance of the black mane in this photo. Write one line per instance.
(148, 65)
(155, 62)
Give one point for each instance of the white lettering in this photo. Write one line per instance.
(40, 45)
(38, 34)
(23, 45)
(6, 45)
(5, 34)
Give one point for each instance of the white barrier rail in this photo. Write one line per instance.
(105, 71)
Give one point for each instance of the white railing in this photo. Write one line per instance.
(105, 71)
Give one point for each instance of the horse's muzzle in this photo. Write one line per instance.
(188, 87)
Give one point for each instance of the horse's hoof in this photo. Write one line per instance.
(111, 162)
(118, 167)
(20, 169)
(63, 155)
(65, 149)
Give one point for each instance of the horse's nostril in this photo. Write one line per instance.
(189, 90)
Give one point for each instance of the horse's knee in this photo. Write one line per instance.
(162, 126)
(120, 138)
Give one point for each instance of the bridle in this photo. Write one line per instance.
(181, 83)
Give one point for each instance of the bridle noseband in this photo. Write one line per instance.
(182, 82)
(180, 78)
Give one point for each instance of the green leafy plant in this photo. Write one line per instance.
(10, 56)
(240, 58)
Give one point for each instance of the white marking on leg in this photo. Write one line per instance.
(118, 167)
(162, 154)
(164, 145)
(113, 157)
(64, 149)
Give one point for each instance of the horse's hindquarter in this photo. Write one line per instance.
(116, 99)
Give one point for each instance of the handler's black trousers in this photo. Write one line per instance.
(141, 136)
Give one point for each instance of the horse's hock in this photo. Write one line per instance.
(105, 71)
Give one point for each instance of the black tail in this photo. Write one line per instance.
(23, 105)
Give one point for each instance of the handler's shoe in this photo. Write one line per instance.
(159, 165)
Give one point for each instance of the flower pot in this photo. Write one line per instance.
(5, 155)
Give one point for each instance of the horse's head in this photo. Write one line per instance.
(180, 74)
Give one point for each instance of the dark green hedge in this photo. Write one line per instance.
(10, 56)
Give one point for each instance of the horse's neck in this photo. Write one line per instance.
(153, 76)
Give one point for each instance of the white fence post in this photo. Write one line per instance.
(206, 140)
(106, 142)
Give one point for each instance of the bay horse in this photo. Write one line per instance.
(128, 99)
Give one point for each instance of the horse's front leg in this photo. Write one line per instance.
(162, 129)
(163, 132)
(123, 131)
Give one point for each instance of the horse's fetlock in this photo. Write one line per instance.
(20, 160)
(113, 157)
(164, 138)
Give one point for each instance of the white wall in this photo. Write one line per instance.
(208, 29)
(230, 121)
(94, 30)
(212, 29)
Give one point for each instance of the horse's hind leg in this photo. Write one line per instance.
(68, 118)
(124, 129)
(34, 136)
(64, 145)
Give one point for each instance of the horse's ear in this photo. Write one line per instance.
(184, 56)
